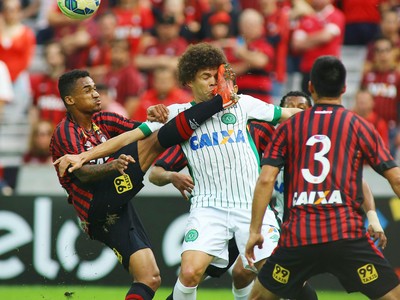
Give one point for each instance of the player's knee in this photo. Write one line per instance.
(153, 281)
(190, 276)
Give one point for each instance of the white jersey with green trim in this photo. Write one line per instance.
(222, 157)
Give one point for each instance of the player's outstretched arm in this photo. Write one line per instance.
(182, 182)
(73, 162)
(374, 226)
(287, 112)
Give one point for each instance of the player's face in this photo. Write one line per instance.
(85, 97)
(203, 84)
(296, 102)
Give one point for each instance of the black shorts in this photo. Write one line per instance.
(358, 264)
(112, 218)
(113, 192)
(124, 234)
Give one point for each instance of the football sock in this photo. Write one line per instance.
(307, 293)
(183, 292)
(139, 291)
(170, 297)
(180, 128)
(242, 294)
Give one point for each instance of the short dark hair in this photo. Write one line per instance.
(198, 57)
(67, 81)
(328, 76)
(296, 94)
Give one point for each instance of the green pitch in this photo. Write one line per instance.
(118, 293)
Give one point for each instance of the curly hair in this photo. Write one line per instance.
(198, 57)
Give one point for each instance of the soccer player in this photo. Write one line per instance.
(100, 195)
(322, 150)
(171, 162)
(222, 204)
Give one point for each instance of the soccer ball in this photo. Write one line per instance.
(78, 9)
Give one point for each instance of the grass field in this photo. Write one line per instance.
(118, 293)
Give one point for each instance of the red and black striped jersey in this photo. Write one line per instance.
(323, 150)
(174, 159)
(70, 138)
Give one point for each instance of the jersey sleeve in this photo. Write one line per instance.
(275, 152)
(173, 159)
(260, 110)
(373, 147)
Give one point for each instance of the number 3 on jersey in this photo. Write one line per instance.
(319, 156)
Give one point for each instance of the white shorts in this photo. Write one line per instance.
(209, 229)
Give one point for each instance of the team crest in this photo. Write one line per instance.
(228, 118)
(123, 183)
(191, 235)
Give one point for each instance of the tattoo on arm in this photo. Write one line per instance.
(92, 173)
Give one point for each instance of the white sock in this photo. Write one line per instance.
(242, 294)
(182, 292)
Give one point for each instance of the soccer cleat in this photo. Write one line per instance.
(225, 88)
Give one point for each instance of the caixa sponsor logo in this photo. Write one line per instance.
(216, 138)
(49, 255)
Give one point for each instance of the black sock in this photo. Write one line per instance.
(307, 293)
(170, 297)
(140, 291)
(180, 128)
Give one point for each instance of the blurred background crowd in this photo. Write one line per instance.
(131, 49)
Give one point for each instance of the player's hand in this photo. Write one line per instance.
(158, 113)
(255, 239)
(70, 162)
(122, 162)
(183, 182)
(378, 236)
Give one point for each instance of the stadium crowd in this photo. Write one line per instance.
(131, 49)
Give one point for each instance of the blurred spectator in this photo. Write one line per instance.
(39, 144)
(390, 4)
(38, 11)
(252, 58)
(389, 28)
(364, 106)
(134, 21)
(122, 76)
(165, 91)
(17, 47)
(277, 24)
(319, 33)
(187, 14)
(383, 82)
(218, 6)
(5, 189)
(108, 102)
(362, 20)
(72, 34)
(47, 104)
(96, 57)
(6, 90)
(165, 49)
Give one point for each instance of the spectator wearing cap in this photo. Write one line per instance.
(164, 49)
(220, 34)
(220, 6)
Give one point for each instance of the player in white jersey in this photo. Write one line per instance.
(221, 199)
